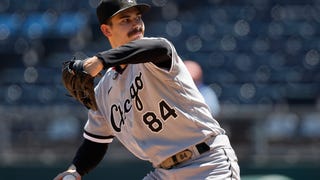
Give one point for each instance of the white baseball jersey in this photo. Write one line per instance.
(154, 112)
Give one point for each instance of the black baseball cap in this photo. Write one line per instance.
(109, 8)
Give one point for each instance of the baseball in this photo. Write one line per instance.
(69, 177)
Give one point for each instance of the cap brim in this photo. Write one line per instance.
(141, 7)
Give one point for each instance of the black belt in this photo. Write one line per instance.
(202, 147)
(183, 156)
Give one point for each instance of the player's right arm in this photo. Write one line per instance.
(155, 50)
(88, 156)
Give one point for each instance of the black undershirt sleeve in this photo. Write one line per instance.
(89, 156)
(157, 51)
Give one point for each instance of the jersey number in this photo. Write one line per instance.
(155, 124)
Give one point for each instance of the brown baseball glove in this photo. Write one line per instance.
(79, 84)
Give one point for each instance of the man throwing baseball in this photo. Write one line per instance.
(148, 100)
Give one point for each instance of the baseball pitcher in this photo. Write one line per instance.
(148, 101)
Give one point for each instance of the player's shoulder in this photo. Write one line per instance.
(164, 42)
(157, 39)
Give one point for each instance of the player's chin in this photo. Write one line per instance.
(137, 36)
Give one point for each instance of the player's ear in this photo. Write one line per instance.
(105, 29)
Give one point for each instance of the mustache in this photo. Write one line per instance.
(134, 31)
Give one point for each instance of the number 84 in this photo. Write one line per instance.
(152, 121)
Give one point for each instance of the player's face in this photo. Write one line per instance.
(126, 26)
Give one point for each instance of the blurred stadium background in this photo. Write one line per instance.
(261, 57)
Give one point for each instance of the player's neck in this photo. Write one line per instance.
(123, 66)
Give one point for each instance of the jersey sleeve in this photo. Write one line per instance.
(156, 50)
(96, 128)
(174, 58)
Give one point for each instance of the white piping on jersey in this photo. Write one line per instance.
(109, 140)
